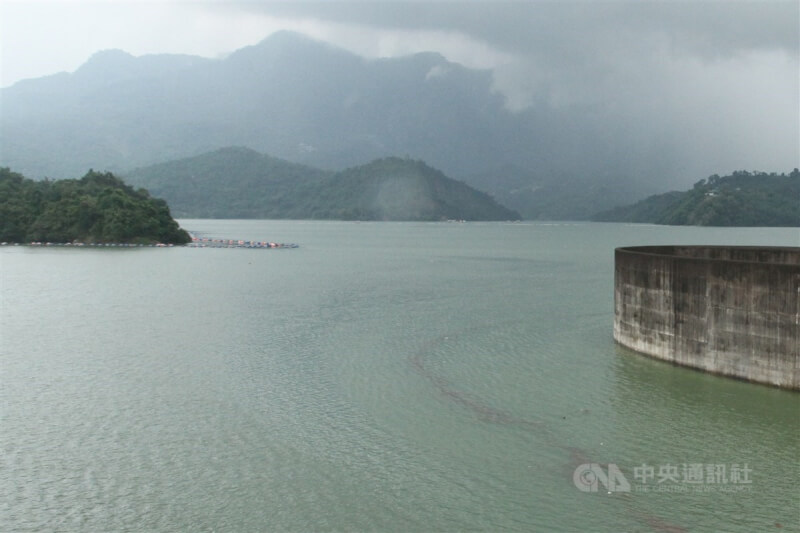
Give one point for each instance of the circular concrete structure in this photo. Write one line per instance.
(733, 311)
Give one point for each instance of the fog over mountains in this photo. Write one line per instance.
(288, 96)
(309, 102)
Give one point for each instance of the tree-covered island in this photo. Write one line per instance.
(98, 208)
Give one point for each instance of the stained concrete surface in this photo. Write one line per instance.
(733, 311)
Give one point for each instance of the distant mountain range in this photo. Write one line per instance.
(242, 183)
(289, 96)
(308, 102)
(741, 199)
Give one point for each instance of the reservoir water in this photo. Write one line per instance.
(381, 377)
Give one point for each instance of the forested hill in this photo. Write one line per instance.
(98, 208)
(394, 188)
(242, 183)
(231, 182)
(741, 199)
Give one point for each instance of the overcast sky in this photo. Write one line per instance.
(724, 72)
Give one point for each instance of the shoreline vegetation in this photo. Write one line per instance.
(741, 199)
(101, 210)
(98, 208)
(96, 211)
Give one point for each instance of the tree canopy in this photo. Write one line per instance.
(741, 199)
(98, 208)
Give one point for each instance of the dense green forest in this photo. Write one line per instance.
(242, 183)
(231, 183)
(394, 188)
(97, 208)
(741, 199)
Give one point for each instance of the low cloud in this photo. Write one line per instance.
(710, 86)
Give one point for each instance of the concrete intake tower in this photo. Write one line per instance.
(729, 310)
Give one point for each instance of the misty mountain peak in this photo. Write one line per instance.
(110, 55)
(291, 39)
(288, 46)
(112, 66)
(107, 62)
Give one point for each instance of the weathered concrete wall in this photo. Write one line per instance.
(733, 311)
